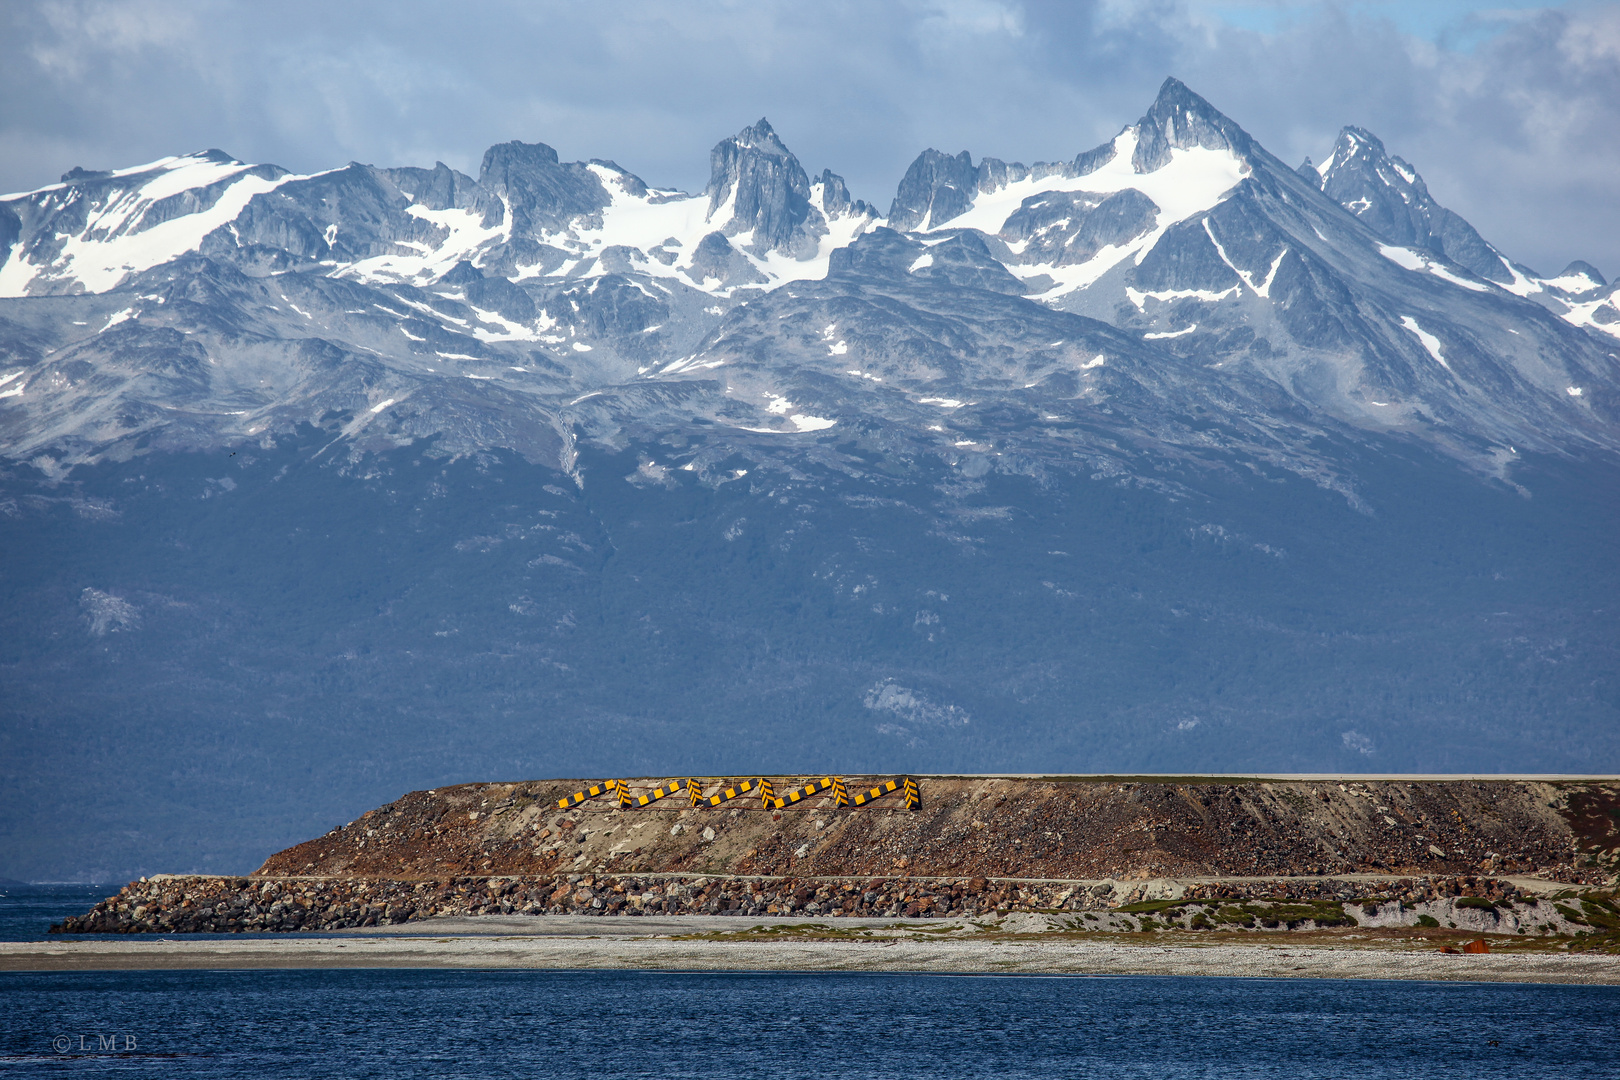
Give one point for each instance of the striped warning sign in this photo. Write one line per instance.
(767, 794)
(660, 792)
(694, 792)
(908, 788)
(589, 793)
(732, 792)
(840, 796)
(864, 797)
(814, 787)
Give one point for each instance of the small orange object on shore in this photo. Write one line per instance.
(1477, 946)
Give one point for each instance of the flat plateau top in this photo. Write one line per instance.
(1158, 778)
(1263, 777)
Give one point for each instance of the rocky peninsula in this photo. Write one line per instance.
(1522, 857)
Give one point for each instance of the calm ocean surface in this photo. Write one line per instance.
(27, 911)
(432, 1023)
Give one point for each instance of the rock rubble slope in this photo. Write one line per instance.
(1061, 829)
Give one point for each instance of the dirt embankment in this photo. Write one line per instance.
(1089, 829)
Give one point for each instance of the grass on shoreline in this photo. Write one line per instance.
(1405, 937)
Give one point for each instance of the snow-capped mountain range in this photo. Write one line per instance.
(1168, 457)
(1178, 285)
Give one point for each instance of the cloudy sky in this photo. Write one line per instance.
(1512, 114)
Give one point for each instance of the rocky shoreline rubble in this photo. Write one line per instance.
(172, 904)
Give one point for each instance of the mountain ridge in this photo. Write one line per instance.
(315, 488)
(550, 275)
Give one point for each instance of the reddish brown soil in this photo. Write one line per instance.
(1059, 828)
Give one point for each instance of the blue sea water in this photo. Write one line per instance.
(437, 1023)
(27, 911)
(433, 1023)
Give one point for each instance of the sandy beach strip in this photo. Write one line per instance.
(562, 943)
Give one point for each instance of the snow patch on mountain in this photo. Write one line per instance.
(1208, 296)
(1190, 183)
(675, 223)
(465, 236)
(1576, 283)
(116, 240)
(1408, 259)
(1601, 315)
(1430, 342)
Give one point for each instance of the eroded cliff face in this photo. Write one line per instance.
(1090, 828)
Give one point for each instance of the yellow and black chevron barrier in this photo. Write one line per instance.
(908, 788)
(814, 787)
(660, 792)
(904, 784)
(589, 793)
(732, 792)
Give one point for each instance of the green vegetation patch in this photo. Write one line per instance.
(1569, 913)
(1601, 912)
(1156, 906)
(1267, 913)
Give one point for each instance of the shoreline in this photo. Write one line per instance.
(698, 944)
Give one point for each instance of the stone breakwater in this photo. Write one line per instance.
(234, 905)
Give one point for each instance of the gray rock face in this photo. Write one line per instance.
(769, 187)
(936, 188)
(1180, 120)
(1063, 227)
(716, 260)
(545, 195)
(1389, 196)
(835, 197)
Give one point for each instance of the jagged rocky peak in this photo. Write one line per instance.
(1390, 198)
(835, 198)
(544, 193)
(936, 188)
(939, 187)
(765, 186)
(1358, 154)
(1181, 120)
